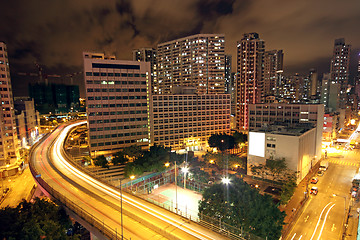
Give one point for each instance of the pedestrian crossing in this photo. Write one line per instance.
(344, 162)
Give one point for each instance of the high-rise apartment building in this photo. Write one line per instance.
(228, 67)
(339, 69)
(250, 54)
(27, 120)
(148, 55)
(194, 61)
(9, 150)
(273, 68)
(117, 100)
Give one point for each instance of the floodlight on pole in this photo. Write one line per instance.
(225, 180)
(185, 170)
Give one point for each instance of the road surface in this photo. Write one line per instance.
(141, 220)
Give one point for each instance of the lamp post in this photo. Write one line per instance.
(176, 207)
(185, 170)
(122, 226)
(2, 182)
(167, 164)
(132, 178)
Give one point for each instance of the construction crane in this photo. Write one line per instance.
(44, 77)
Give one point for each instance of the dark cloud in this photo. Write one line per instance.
(55, 33)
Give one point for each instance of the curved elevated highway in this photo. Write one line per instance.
(99, 204)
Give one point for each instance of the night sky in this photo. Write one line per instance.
(55, 33)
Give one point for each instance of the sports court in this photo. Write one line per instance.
(187, 200)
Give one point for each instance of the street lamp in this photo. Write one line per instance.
(185, 170)
(2, 182)
(225, 180)
(132, 178)
(122, 225)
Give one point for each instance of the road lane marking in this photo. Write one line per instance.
(300, 237)
(317, 224)
(322, 227)
(293, 236)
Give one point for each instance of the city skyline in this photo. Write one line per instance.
(56, 40)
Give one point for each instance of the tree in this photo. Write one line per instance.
(152, 160)
(239, 137)
(221, 141)
(276, 166)
(133, 152)
(36, 220)
(243, 208)
(220, 160)
(101, 161)
(119, 158)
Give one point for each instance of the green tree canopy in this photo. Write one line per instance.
(276, 166)
(239, 137)
(101, 161)
(152, 160)
(41, 219)
(221, 141)
(133, 152)
(119, 158)
(221, 158)
(243, 207)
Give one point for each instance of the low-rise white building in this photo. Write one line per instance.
(296, 144)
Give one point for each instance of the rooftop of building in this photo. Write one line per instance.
(283, 129)
(193, 37)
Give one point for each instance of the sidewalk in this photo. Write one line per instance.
(297, 201)
(352, 220)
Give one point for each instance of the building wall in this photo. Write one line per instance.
(9, 138)
(117, 100)
(339, 69)
(194, 61)
(27, 108)
(148, 55)
(273, 66)
(186, 121)
(298, 151)
(269, 113)
(250, 51)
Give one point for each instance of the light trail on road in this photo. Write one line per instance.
(155, 215)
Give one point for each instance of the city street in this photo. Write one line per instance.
(324, 215)
(20, 188)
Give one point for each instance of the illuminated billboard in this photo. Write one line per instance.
(257, 144)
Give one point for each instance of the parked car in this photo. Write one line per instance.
(314, 190)
(314, 180)
(320, 173)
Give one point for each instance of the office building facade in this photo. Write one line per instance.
(186, 121)
(117, 100)
(148, 55)
(261, 115)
